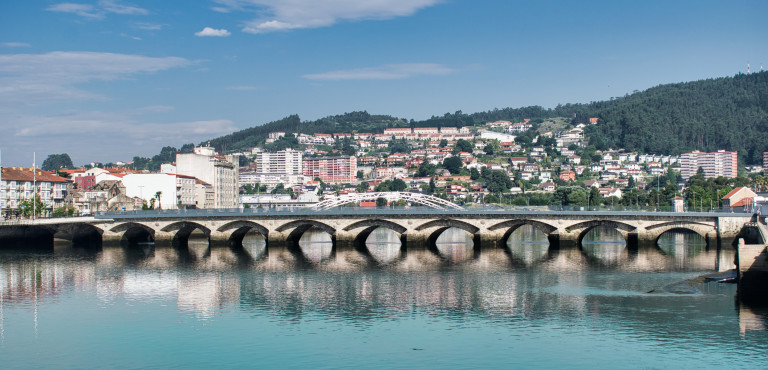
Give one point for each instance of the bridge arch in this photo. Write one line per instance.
(297, 229)
(368, 226)
(134, 232)
(439, 226)
(81, 233)
(582, 228)
(509, 227)
(656, 231)
(239, 229)
(182, 230)
(23, 236)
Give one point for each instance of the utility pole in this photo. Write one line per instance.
(34, 184)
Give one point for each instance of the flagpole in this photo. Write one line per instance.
(34, 184)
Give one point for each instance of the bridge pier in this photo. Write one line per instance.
(563, 239)
(345, 242)
(219, 239)
(163, 239)
(489, 241)
(417, 241)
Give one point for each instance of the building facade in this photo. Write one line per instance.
(283, 167)
(714, 164)
(20, 184)
(221, 172)
(332, 170)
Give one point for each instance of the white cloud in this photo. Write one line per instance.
(101, 136)
(212, 32)
(283, 15)
(15, 44)
(43, 78)
(83, 10)
(132, 37)
(112, 6)
(149, 26)
(386, 72)
(97, 11)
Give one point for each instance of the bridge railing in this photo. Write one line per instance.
(490, 209)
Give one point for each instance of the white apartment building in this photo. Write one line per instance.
(283, 167)
(147, 185)
(719, 163)
(221, 172)
(20, 184)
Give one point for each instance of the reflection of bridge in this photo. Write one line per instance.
(418, 228)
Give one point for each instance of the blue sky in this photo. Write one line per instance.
(105, 80)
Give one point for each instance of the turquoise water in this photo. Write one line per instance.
(140, 307)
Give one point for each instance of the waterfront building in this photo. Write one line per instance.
(741, 199)
(106, 195)
(220, 171)
(204, 195)
(283, 167)
(20, 184)
(714, 164)
(176, 191)
(332, 170)
(765, 162)
(492, 135)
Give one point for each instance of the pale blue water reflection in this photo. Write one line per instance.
(221, 308)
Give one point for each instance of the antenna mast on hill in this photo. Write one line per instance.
(747, 67)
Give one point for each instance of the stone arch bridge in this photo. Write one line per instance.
(417, 227)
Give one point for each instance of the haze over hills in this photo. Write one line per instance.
(728, 113)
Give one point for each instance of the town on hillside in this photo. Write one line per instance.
(501, 163)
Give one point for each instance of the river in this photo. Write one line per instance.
(600, 305)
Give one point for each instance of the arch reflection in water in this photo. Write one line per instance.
(455, 245)
(197, 243)
(604, 244)
(528, 244)
(384, 245)
(687, 248)
(316, 245)
(254, 244)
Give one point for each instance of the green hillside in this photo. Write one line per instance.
(728, 113)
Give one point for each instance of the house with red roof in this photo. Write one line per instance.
(739, 200)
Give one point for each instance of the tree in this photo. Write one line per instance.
(381, 202)
(157, 195)
(399, 185)
(426, 169)
(64, 211)
(443, 143)
(474, 174)
(28, 206)
(492, 147)
(453, 164)
(463, 145)
(56, 162)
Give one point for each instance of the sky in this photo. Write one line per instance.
(107, 80)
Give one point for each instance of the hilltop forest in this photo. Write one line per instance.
(728, 113)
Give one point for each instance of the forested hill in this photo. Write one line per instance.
(724, 113)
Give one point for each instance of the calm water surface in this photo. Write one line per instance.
(524, 306)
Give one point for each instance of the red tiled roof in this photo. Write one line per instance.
(733, 192)
(25, 174)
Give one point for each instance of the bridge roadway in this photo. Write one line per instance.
(418, 228)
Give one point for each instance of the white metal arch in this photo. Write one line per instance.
(390, 196)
